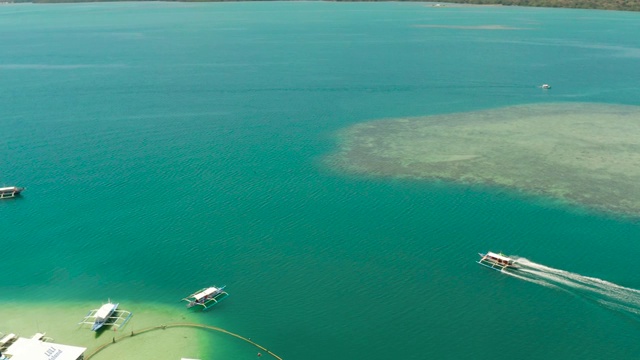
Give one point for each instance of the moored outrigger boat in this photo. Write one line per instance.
(206, 297)
(103, 314)
(497, 261)
(107, 315)
(10, 192)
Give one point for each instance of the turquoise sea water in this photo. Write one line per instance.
(170, 146)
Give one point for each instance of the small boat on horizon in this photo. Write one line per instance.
(497, 261)
(8, 192)
(545, 86)
(206, 297)
(103, 314)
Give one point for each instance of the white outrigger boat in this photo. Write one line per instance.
(206, 297)
(107, 314)
(103, 314)
(497, 261)
(10, 192)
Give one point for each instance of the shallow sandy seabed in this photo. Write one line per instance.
(582, 153)
(475, 27)
(60, 322)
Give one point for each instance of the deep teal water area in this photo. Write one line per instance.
(170, 146)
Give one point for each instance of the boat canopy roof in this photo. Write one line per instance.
(206, 292)
(9, 188)
(498, 256)
(106, 310)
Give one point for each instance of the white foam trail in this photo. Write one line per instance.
(606, 293)
(577, 277)
(535, 281)
(585, 282)
(557, 279)
(619, 307)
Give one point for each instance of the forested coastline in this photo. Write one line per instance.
(628, 5)
(631, 5)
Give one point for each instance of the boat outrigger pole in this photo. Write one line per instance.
(496, 261)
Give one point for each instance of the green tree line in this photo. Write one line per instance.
(629, 5)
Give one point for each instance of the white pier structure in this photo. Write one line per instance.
(39, 347)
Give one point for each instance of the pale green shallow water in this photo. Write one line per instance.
(168, 146)
(584, 154)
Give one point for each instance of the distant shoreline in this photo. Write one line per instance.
(566, 4)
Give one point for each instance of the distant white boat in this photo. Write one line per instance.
(545, 86)
(103, 314)
(10, 191)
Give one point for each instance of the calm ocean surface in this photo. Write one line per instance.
(171, 146)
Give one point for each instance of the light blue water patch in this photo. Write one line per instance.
(171, 146)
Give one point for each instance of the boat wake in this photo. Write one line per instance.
(608, 294)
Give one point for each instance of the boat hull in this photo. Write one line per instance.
(103, 315)
(8, 193)
(496, 262)
(497, 266)
(97, 325)
(206, 298)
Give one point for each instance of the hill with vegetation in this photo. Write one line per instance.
(630, 5)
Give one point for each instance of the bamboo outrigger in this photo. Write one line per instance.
(10, 192)
(109, 315)
(497, 261)
(206, 297)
